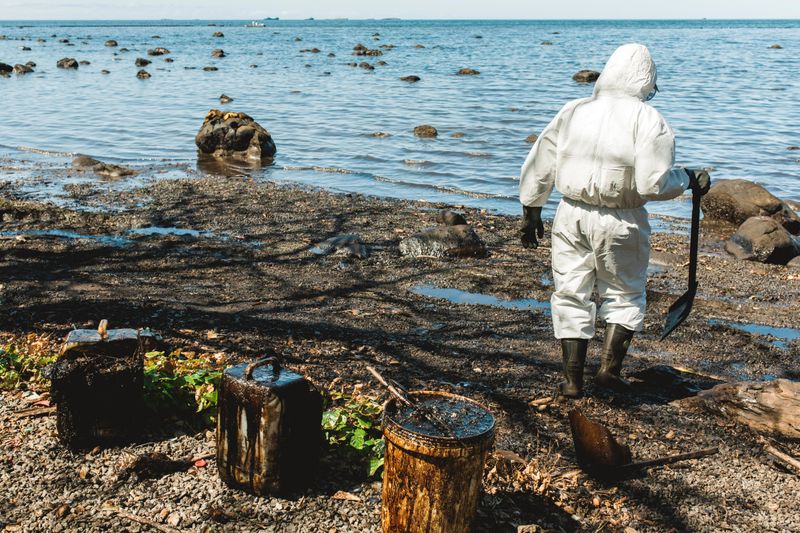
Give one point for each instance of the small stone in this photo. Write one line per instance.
(776, 47)
(532, 138)
(218, 34)
(468, 72)
(142, 62)
(411, 79)
(143, 74)
(210, 69)
(174, 519)
(225, 99)
(218, 52)
(111, 43)
(159, 51)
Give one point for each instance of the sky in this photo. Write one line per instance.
(408, 9)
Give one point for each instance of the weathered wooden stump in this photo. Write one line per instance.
(269, 430)
(97, 386)
(434, 462)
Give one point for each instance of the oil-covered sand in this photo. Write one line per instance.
(244, 272)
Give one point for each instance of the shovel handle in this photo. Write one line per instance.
(694, 239)
(671, 459)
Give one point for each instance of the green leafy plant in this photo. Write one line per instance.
(22, 361)
(354, 421)
(173, 383)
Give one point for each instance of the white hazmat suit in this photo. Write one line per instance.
(607, 155)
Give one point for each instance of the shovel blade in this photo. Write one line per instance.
(678, 312)
(596, 449)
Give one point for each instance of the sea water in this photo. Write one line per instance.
(731, 99)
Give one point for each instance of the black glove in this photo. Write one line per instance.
(532, 227)
(699, 180)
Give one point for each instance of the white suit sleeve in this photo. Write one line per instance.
(656, 176)
(539, 170)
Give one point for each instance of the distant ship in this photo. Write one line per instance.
(254, 24)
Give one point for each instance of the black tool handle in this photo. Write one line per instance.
(694, 238)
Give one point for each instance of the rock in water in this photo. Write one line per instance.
(111, 43)
(468, 72)
(763, 239)
(218, 52)
(67, 62)
(5, 68)
(738, 200)
(344, 244)
(441, 241)
(159, 51)
(361, 50)
(225, 99)
(410, 79)
(218, 34)
(532, 138)
(142, 62)
(210, 69)
(425, 130)
(143, 74)
(234, 135)
(22, 69)
(104, 170)
(586, 76)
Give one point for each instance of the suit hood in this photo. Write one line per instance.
(630, 71)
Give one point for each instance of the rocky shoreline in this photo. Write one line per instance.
(224, 265)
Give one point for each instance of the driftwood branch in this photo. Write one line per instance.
(145, 522)
(785, 459)
(35, 411)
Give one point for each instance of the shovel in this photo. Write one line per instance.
(679, 310)
(601, 456)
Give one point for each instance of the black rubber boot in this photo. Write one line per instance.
(615, 347)
(573, 354)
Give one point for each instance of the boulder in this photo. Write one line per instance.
(22, 69)
(737, 200)
(158, 51)
(350, 245)
(411, 79)
(532, 138)
(67, 62)
(218, 34)
(450, 218)
(586, 76)
(143, 74)
(104, 170)
(142, 62)
(442, 241)
(361, 50)
(111, 43)
(763, 239)
(218, 52)
(425, 130)
(468, 72)
(234, 135)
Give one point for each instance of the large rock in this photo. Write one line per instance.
(586, 76)
(234, 135)
(737, 200)
(361, 50)
(425, 130)
(104, 170)
(441, 241)
(5, 68)
(763, 239)
(67, 62)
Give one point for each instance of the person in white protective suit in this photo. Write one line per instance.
(607, 155)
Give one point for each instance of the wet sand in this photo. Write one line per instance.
(238, 265)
